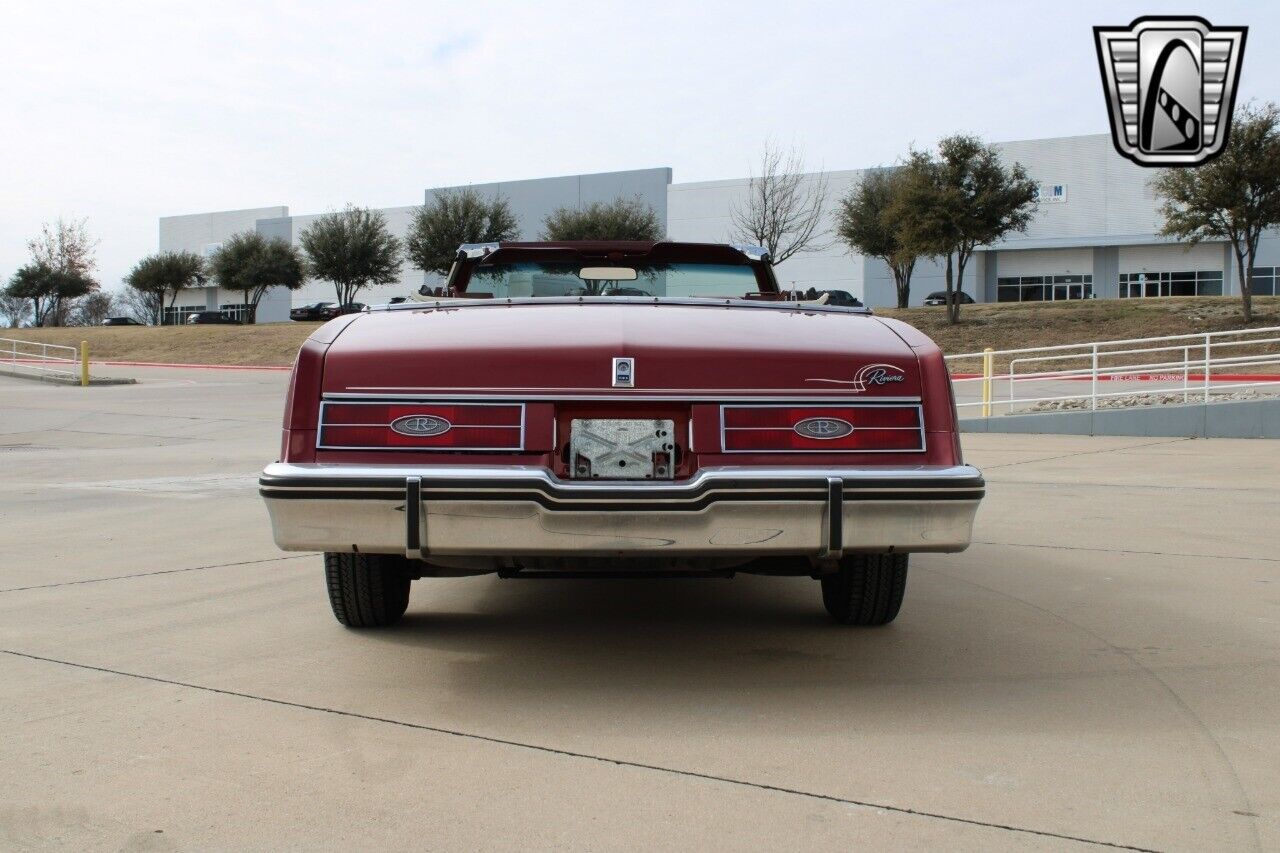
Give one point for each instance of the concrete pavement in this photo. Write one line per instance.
(1101, 668)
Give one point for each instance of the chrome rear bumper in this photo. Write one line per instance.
(524, 511)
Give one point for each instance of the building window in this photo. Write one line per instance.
(235, 310)
(178, 314)
(1144, 284)
(1265, 281)
(1044, 288)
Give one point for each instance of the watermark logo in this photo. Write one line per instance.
(1170, 84)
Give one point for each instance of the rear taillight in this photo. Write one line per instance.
(423, 426)
(822, 429)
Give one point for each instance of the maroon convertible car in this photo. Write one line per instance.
(618, 409)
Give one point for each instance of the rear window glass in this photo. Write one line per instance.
(516, 280)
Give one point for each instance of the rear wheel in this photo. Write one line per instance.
(867, 590)
(367, 590)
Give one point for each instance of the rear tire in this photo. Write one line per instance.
(367, 590)
(867, 590)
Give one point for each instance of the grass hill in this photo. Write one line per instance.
(1001, 326)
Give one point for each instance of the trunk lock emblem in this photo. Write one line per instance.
(624, 373)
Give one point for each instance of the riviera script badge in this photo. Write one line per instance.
(868, 376)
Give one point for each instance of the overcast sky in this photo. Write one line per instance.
(123, 112)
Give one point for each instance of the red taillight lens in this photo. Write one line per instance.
(822, 429)
(425, 426)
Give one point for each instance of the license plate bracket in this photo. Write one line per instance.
(621, 449)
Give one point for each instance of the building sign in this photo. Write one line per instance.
(1051, 193)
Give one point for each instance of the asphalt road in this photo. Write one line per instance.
(1100, 668)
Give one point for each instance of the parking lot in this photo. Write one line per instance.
(1101, 668)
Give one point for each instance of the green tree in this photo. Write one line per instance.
(620, 219)
(960, 199)
(454, 217)
(159, 278)
(353, 248)
(49, 290)
(867, 222)
(1234, 197)
(252, 264)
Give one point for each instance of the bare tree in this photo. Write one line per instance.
(140, 305)
(16, 310)
(784, 208)
(91, 309)
(65, 248)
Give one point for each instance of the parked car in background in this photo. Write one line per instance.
(314, 311)
(940, 298)
(120, 321)
(615, 408)
(212, 318)
(349, 308)
(834, 297)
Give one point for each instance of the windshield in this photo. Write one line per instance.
(578, 279)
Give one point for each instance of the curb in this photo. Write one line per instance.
(194, 366)
(50, 379)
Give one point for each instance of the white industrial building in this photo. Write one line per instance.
(1095, 234)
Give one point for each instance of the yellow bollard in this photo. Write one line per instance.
(84, 363)
(988, 367)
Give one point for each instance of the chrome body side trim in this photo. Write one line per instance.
(455, 302)
(470, 396)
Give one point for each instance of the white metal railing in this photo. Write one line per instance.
(45, 359)
(1173, 364)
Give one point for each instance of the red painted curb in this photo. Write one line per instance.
(1139, 377)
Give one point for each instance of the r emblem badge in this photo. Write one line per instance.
(421, 426)
(823, 428)
(624, 373)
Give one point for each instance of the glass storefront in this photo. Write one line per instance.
(1044, 288)
(1147, 284)
(178, 314)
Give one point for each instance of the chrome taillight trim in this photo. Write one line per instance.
(419, 449)
(845, 404)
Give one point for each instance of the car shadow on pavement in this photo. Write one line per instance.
(748, 646)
